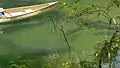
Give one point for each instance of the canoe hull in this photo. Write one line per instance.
(12, 19)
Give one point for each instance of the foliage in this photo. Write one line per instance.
(19, 64)
(105, 52)
(52, 61)
(108, 48)
(76, 12)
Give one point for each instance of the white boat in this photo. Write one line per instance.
(18, 13)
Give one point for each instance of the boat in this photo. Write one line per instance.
(18, 13)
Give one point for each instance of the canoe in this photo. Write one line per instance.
(18, 13)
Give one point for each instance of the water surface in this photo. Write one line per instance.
(34, 38)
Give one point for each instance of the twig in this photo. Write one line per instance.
(53, 23)
(66, 41)
(100, 62)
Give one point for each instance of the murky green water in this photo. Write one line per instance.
(34, 37)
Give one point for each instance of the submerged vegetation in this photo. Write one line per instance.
(105, 51)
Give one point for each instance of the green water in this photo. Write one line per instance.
(34, 38)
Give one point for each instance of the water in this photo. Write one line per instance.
(30, 38)
(34, 38)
